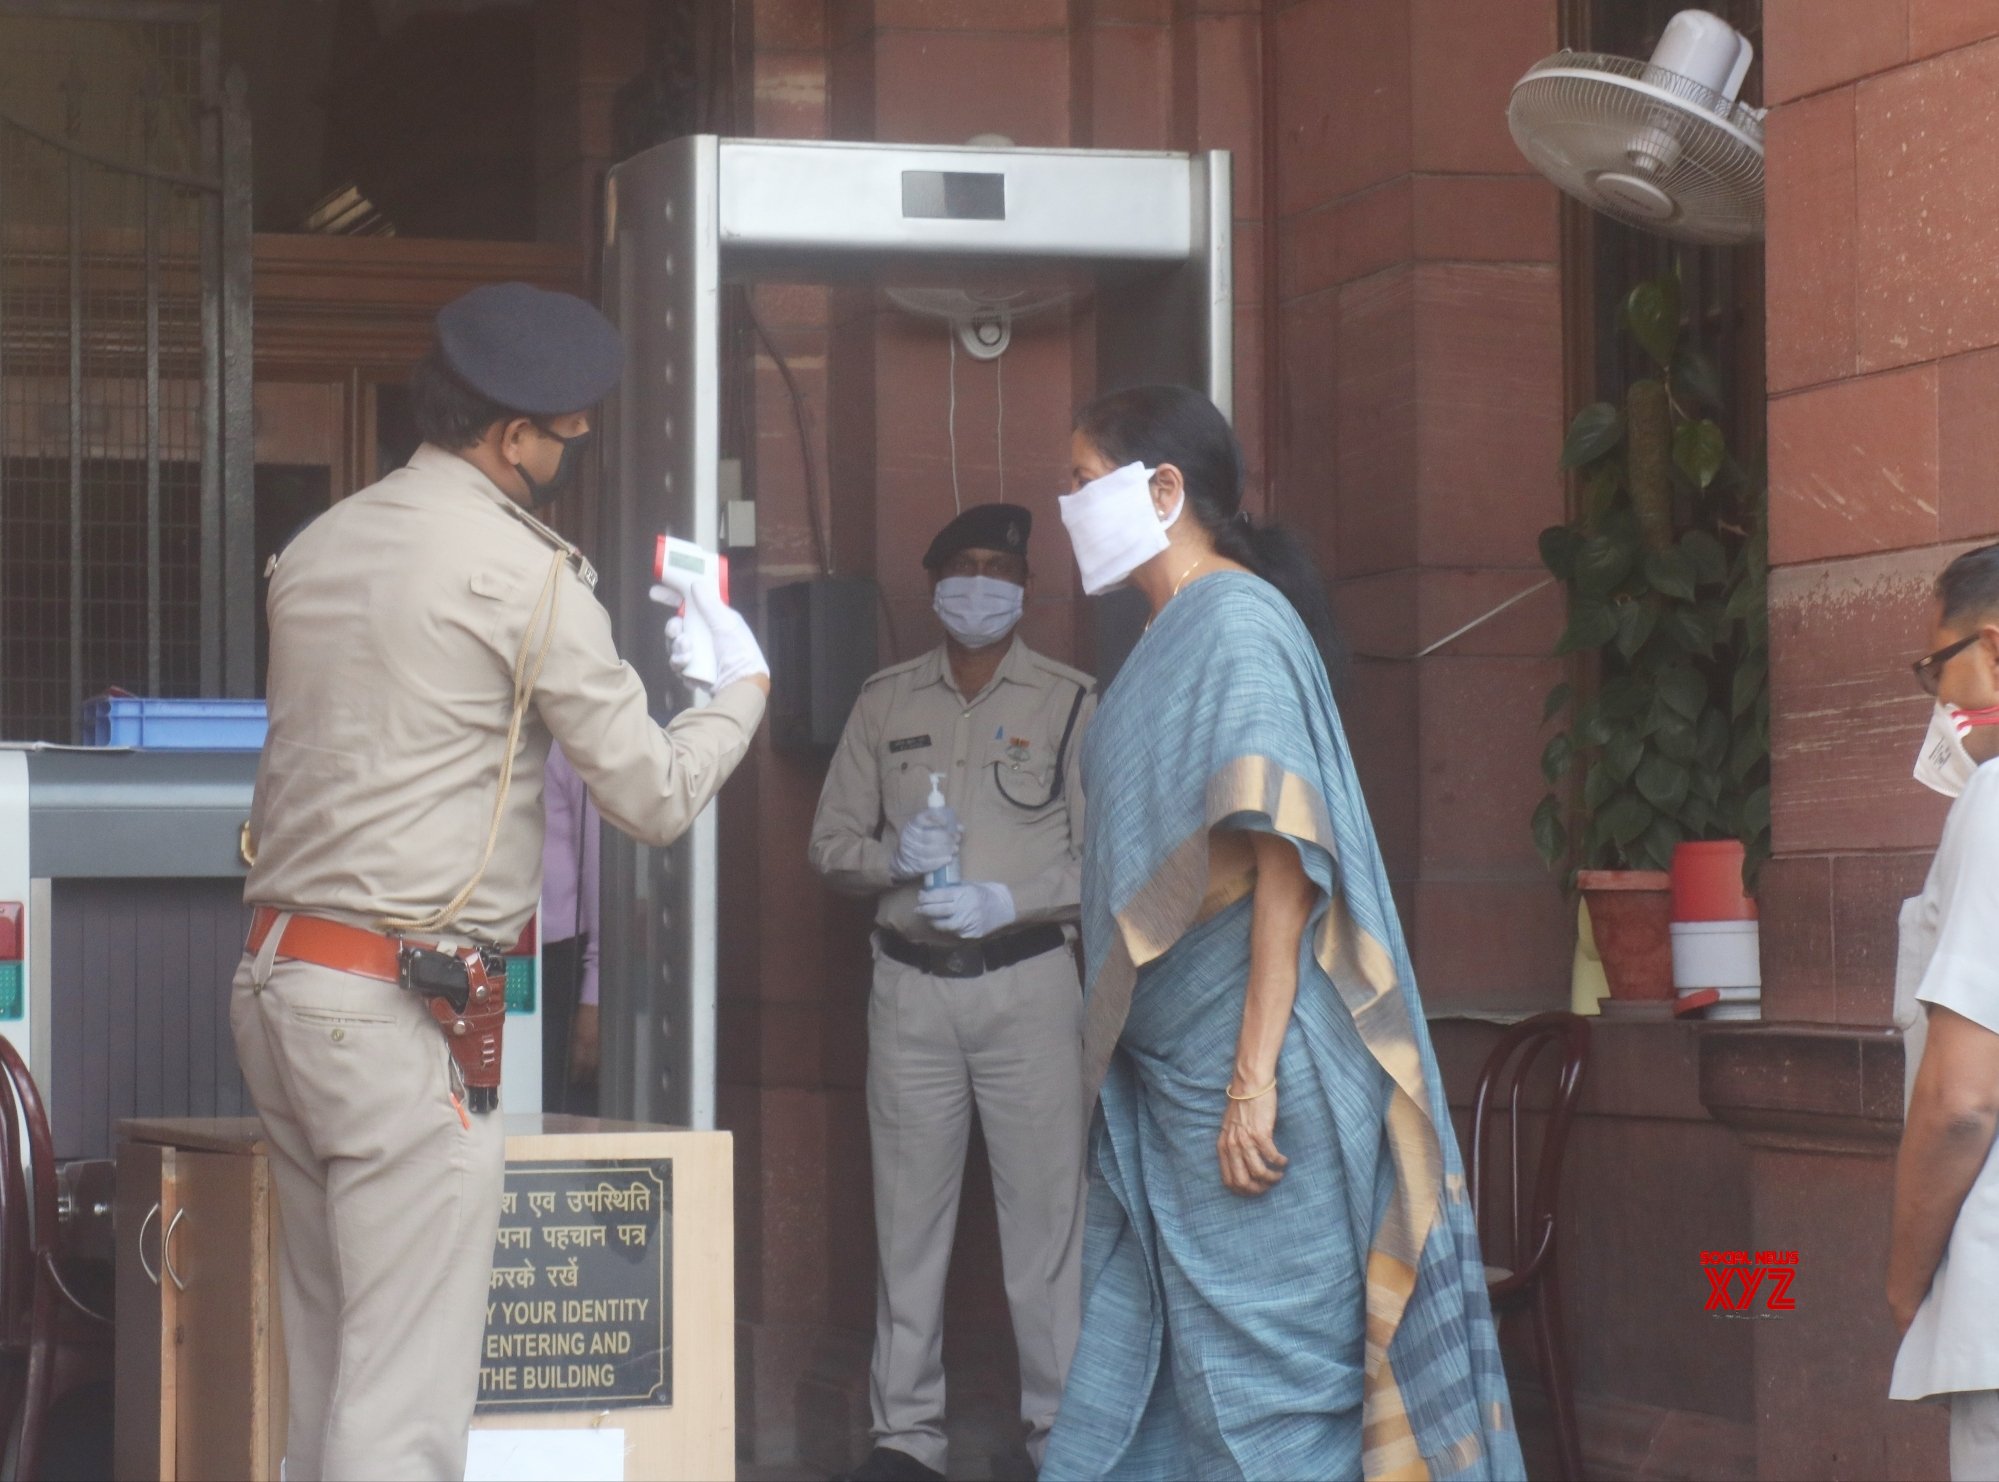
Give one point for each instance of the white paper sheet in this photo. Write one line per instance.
(593, 1454)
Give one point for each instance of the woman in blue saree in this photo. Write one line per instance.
(1281, 1270)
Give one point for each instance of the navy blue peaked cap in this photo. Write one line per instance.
(985, 527)
(530, 349)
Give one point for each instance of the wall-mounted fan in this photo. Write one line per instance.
(1663, 145)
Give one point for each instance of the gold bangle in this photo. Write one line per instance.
(1252, 1095)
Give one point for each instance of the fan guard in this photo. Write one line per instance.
(1644, 144)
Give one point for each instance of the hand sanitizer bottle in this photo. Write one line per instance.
(935, 803)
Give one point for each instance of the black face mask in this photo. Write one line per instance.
(541, 493)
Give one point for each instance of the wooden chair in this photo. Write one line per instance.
(42, 1323)
(1519, 1223)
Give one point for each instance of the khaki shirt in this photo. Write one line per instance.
(911, 721)
(396, 618)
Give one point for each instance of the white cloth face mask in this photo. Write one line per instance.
(1114, 527)
(978, 611)
(1944, 765)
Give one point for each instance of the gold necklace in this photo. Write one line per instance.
(1176, 589)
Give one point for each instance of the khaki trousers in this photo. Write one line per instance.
(1974, 1436)
(388, 1205)
(1009, 1042)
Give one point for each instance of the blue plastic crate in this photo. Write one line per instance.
(174, 725)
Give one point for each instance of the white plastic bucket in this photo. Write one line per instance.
(1716, 954)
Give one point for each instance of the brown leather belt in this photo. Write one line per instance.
(473, 1020)
(334, 944)
(972, 959)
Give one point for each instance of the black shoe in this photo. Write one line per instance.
(886, 1464)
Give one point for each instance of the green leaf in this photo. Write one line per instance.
(1627, 816)
(1622, 698)
(1745, 751)
(1698, 451)
(1597, 429)
(1655, 850)
(1600, 786)
(1696, 379)
(1556, 756)
(1652, 309)
(1712, 740)
(1756, 811)
(1591, 625)
(1684, 690)
(1675, 737)
(1747, 685)
(1558, 698)
(1688, 630)
(1621, 755)
(1592, 727)
(1697, 814)
(1634, 626)
(1747, 599)
(1670, 572)
(1705, 554)
(1601, 563)
(1662, 783)
(1551, 840)
(1558, 551)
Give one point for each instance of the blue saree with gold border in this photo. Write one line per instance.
(1336, 1326)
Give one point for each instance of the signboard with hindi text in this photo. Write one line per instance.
(579, 1311)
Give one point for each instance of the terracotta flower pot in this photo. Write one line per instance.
(1630, 912)
(1707, 882)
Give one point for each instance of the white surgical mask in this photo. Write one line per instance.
(1944, 765)
(1114, 527)
(978, 611)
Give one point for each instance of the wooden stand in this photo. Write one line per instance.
(201, 1377)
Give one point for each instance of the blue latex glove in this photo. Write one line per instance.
(972, 910)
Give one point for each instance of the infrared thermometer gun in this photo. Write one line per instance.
(680, 566)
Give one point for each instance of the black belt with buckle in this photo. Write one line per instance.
(972, 959)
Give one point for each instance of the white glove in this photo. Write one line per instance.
(929, 841)
(970, 911)
(737, 654)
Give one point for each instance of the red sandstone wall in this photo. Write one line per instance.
(1883, 425)
(1421, 405)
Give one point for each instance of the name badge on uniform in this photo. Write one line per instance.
(908, 743)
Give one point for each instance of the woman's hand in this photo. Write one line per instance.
(1903, 1303)
(1248, 1154)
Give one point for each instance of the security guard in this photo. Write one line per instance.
(976, 999)
(428, 637)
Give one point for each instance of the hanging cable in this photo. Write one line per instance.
(951, 418)
(999, 433)
(799, 416)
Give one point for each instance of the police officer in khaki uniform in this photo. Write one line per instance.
(428, 637)
(976, 1000)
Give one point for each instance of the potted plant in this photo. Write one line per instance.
(1665, 729)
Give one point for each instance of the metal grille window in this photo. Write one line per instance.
(126, 500)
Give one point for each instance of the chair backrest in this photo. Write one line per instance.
(27, 1195)
(1527, 1214)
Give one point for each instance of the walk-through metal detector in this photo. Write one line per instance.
(1146, 233)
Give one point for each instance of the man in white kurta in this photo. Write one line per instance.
(1943, 1267)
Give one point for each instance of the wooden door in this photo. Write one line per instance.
(143, 1439)
(223, 1422)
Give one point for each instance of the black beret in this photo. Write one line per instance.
(985, 527)
(529, 349)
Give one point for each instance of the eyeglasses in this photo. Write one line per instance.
(1929, 669)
